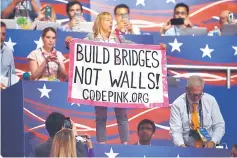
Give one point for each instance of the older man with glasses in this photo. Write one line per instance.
(196, 120)
(181, 10)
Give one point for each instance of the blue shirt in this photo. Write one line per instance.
(32, 14)
(7, 61)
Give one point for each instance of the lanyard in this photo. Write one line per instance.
(117, 34)
(46, 61)
(200, 111)
(2, 50)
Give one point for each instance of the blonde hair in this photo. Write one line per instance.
(64, 144)
(97, 24)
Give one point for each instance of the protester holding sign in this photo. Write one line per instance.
(46, 63)
(102, 32)
(91, 61)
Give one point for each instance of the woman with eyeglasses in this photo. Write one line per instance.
(46, 63)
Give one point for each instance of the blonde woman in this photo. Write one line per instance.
(64, 144)
(102, 32)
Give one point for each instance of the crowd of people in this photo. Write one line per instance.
(34, 12)
(191, 112)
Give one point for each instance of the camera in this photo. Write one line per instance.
(194, 134)
(125, 17)
(177, 21)
(67, 123)
(83, 138)
(230, 18)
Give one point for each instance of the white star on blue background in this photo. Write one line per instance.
(206, 51)
(10, 44)
(44, 91)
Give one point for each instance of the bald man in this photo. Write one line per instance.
(223, 20)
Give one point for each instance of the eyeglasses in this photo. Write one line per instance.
(195, 95)
(182, 13)
(121, 14)
(145, 128)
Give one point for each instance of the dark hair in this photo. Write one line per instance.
(121, 6)
(3, 24)
(47, 29)
(54, 123)
(235, 146)
(147, 121)
(72, 3)
(182, 5)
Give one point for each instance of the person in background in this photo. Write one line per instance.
(41, 16)
(234, 151)
(64, 144)
(195, 110)
(73, 8)
(7, 60)
(55, 123)
(181, 10)
(8, 8)
(145, 131)
(46, 63)
(123, 24)
(222, 21)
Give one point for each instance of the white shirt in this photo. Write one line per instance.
(213, 121)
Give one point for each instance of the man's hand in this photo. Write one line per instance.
(182, 145)
(210, 144)
(121, 26)
(166, 27)
(188, 23)
(88, 141)
(2, 86)
(163, 46)
(129, 27)
(68, 40)
(41, 13)
(75, 21)
(15, 2)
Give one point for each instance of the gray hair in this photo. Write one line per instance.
(195, 80)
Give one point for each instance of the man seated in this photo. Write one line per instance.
(181, 10)
(11, 8)
(145, 131)
(75, 13)
(53, 124)
(193, 112)
(123, 24)
(223, 20)
(7, 60)
(234, 151)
